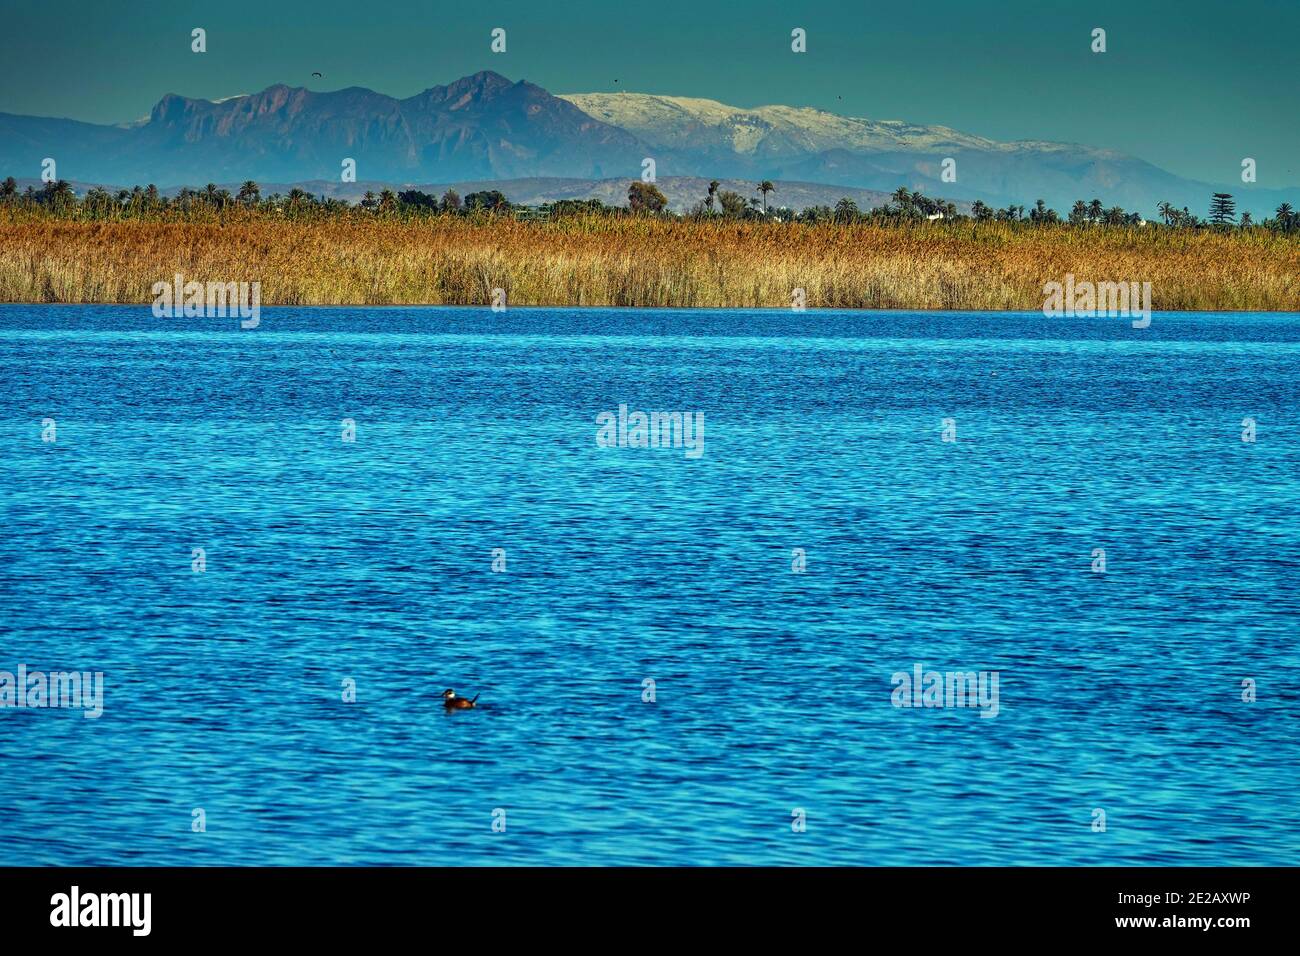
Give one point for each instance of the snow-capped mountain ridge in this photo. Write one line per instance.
(679, 121)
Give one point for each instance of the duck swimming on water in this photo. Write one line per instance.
(452, 702)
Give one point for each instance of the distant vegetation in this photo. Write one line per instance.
(146, 202)
(413, 248)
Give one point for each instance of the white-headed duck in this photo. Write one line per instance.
(452, 702)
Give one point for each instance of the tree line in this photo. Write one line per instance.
(904, 206)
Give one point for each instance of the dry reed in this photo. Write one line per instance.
(641, 261)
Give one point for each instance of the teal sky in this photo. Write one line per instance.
(1192, 86)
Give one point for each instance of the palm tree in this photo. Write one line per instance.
(1167, 212)
(903, 197)
(713, 190)
(1043, 214)
(1095, 210)
(981, 211)
(846, 210)
(1286, 217)
(249, 193)
(59, 194)
(766, 187)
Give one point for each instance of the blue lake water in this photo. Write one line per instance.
(372, 560)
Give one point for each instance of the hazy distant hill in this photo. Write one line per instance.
(485, 127)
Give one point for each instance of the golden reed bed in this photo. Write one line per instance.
(634, 261)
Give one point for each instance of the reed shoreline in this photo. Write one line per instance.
(637, 261)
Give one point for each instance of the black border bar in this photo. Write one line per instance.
(472, 906)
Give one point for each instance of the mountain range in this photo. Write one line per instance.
(485, 128)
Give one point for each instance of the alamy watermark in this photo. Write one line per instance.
(651, 430)
(75, 908)
(82, 690)
(922, 688)
(1092, 299)
(208, 300)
